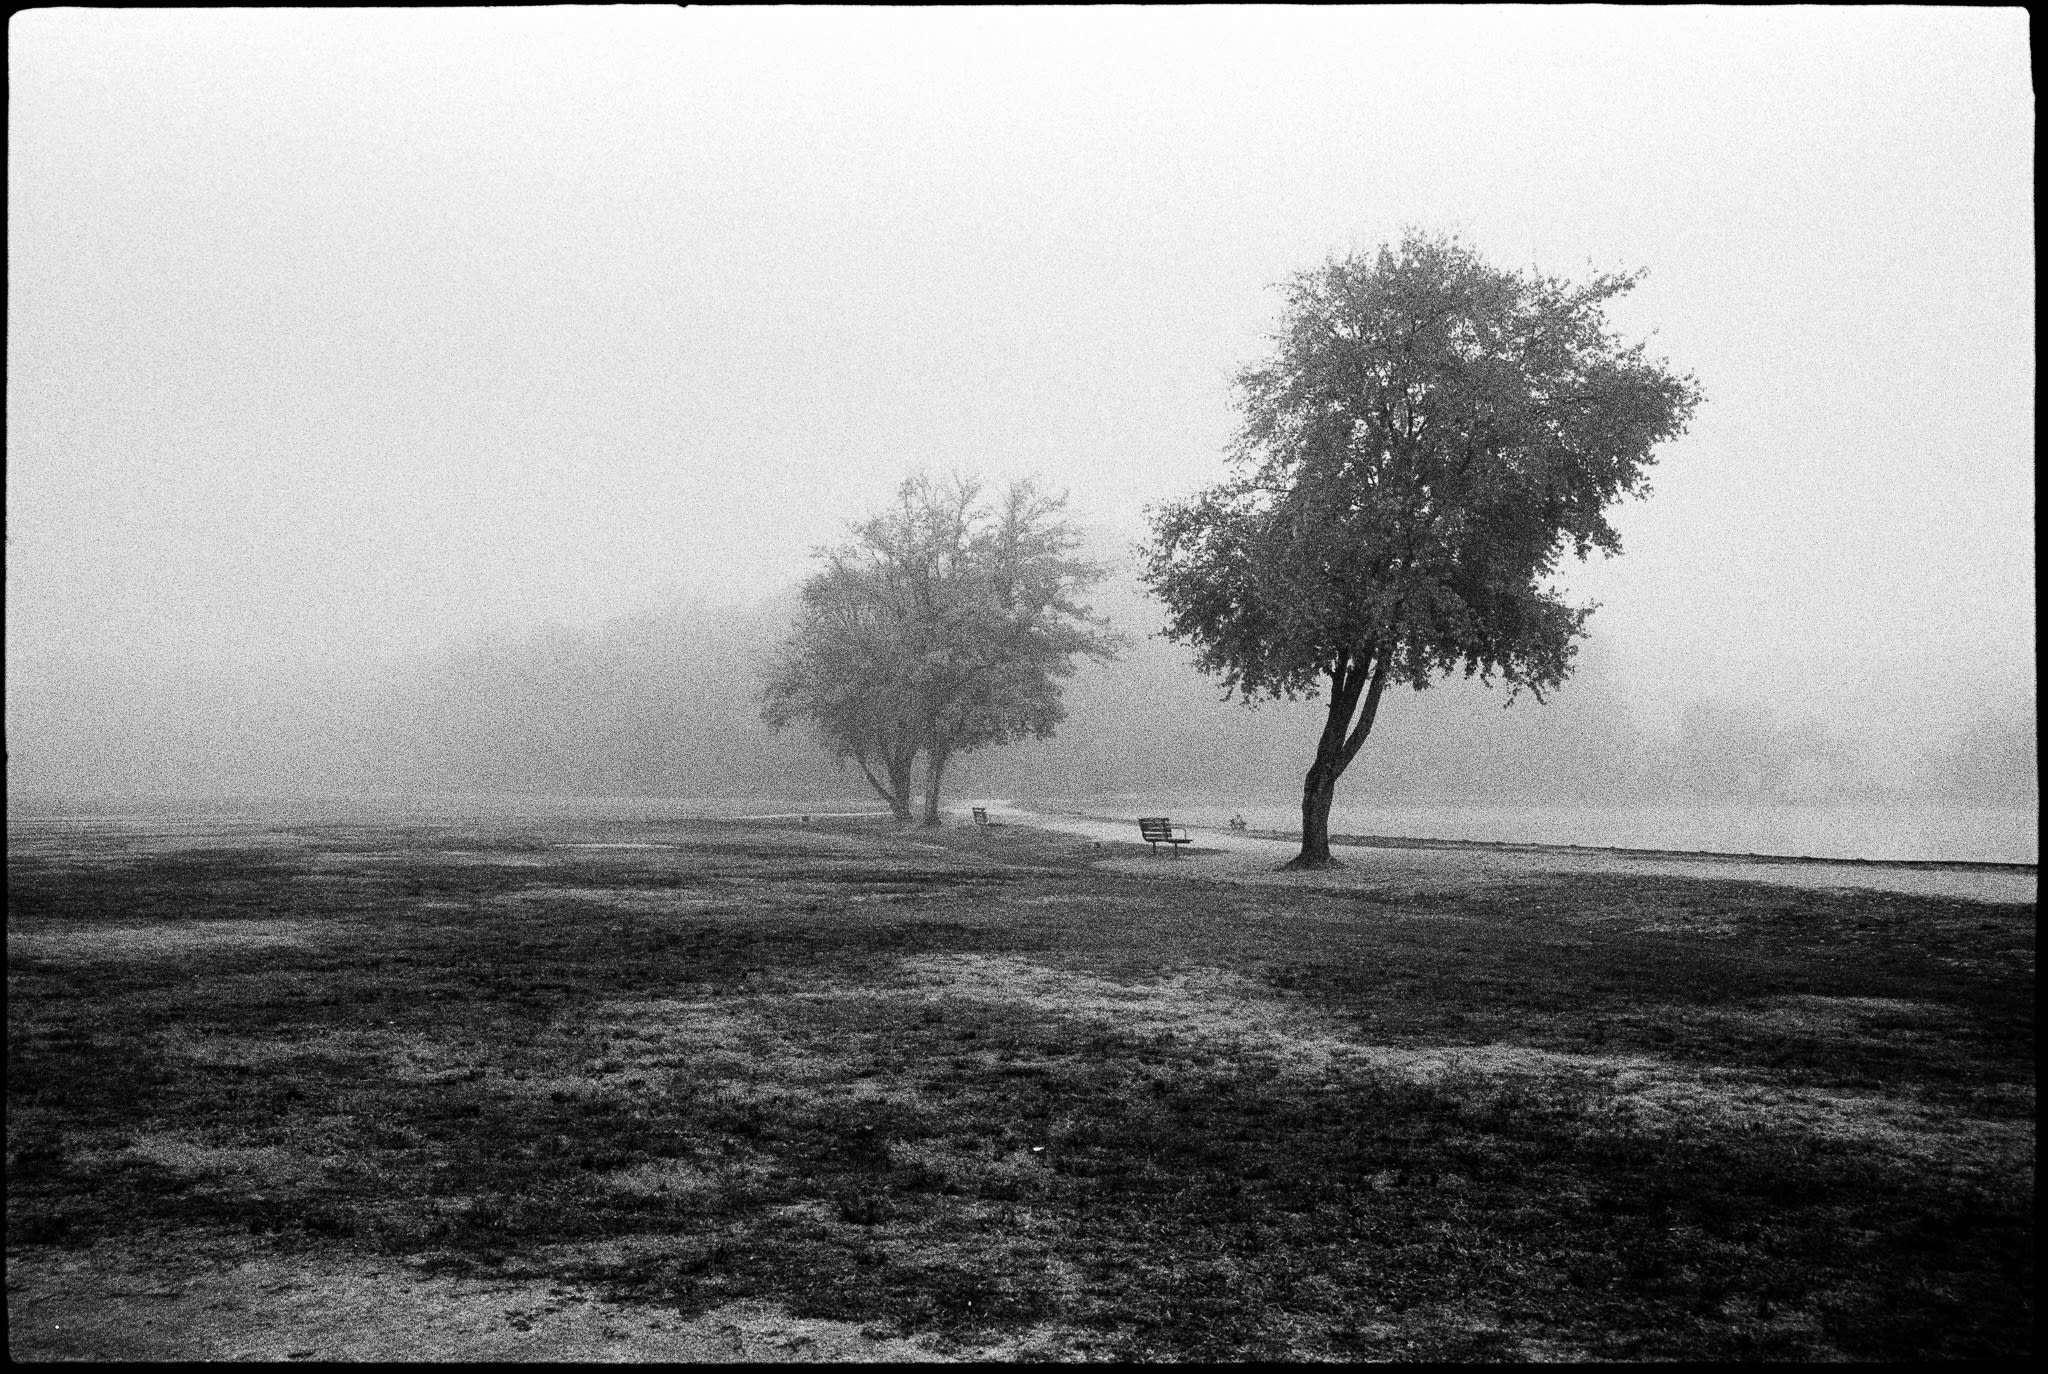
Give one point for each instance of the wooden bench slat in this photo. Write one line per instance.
(1158, 830)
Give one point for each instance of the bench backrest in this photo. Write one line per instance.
(1155, 827)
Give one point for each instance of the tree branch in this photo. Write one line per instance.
(1345, 682)
(1371, 710)
(880, 790)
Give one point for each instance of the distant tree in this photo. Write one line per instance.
(945, 625)
(1428, 437)
(840, 672)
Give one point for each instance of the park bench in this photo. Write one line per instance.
(1158, 830)
(981, 817)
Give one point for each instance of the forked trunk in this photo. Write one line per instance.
(899, 786)
(1349, 679)
(896, 792)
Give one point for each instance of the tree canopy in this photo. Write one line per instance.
(943, 626)
(1428, 438)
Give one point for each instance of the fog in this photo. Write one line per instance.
(666, 704)
(449, 401)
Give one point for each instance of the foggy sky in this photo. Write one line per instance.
(337, 338)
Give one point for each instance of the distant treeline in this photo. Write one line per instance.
(669, 704)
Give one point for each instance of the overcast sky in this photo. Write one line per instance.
(336, 335)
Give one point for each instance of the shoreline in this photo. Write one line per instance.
(1703, 855)
(465, 807)
(1607, 851)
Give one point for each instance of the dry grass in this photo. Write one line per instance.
(665, 1091)
(98, 943)
(197, 1297)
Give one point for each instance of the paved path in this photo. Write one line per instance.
(1246, 858)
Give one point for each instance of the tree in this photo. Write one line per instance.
(943, 626)
(1427, 438)
(836, 672)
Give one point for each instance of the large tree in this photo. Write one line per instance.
(1428, 437)
(944, 625)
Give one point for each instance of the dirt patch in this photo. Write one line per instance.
(1203, 1004)
(267, 1165)
(407, 1052)
(648, 902)
(736, 1046)
(971, 1170)
(1853, 1015)
(1214, 1007)
(1658, 1099)
(1644, 1093)
(90, 943)
(677, 1178)
(200, 1298)
(200, 1047)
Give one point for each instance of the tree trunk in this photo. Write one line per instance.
(899, 785)
(1318, 790)
(1339, 744)
(897, 793)
(934, 770)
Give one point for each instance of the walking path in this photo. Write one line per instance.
(1250, 858)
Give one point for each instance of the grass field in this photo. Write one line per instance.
(710, 1088)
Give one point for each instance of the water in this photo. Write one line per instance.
(1924, 832)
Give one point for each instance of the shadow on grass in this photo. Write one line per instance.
(528, 1070)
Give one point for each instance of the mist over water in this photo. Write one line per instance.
(657, 714)
(1905, 831)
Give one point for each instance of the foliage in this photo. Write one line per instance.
(944, 625)
(1428, 438)
(839, 670)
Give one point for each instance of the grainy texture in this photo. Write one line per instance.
(696, 1090)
